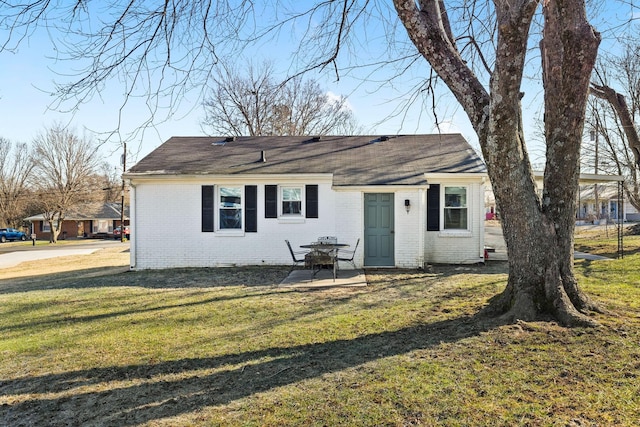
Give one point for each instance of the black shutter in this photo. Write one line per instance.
(207, 208)
(250, 208)
(311, 206)
(433, 207)
(271, 201)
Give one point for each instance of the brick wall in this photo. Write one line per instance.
(166, 228)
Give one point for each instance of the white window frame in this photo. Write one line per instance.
(102, 226)
(443, 209)
(281, 201)
(218, 207)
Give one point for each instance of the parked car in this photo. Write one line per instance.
(11, 234)
(116, 232)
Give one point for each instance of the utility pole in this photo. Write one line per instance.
(124, 168)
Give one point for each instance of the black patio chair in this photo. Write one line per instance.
(347, 255)
(294, 256)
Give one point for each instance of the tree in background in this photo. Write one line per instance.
(15, 171)
(64, 166)
(613, 118)
(254, 103)
(108, 181)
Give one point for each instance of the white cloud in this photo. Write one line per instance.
(334, 97)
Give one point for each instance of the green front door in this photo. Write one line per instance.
(378, 230)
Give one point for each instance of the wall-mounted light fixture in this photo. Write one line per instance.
(407, 205)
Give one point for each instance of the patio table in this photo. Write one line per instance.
(322, 254)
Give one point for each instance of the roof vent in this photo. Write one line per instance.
(316, 138)
(230, 139)
(263, 156)
(380, 139)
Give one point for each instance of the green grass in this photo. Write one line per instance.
(209, 347)
(605, 243)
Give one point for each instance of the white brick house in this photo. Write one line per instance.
(207, 201)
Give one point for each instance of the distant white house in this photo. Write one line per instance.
(216, 201)
(599, 198)
(602, 202)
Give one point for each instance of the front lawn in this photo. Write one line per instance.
(209, 347)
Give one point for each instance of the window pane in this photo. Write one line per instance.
(455, 218)
(102, 226)
(230, 197)
(455, 208)
(230, 218)
(291, 200)
(230, 208)
(455, 197)
(289, 194)
(291, 208)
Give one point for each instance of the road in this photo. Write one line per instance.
(12, 254)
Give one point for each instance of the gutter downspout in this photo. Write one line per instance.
(481, 225)
(422, 223)
(133, 248)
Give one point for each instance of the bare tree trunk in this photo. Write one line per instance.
(63, 167)
(54, 226)
(538, 231)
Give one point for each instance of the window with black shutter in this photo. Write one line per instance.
(207, 208)
(311, 202)
(433, 207)
(271, 201)
(250, 208)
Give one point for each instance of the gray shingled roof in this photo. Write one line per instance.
(353, 160)
(88, 211)
(97, 211)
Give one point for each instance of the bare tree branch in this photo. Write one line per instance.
(63, 165)
(15, 172)
(257, 104)
(619, 104)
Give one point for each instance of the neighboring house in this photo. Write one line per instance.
(602, 202)
(606, 189)
(91, 220)
(207, 201)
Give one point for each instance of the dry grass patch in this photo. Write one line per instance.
(104, 261)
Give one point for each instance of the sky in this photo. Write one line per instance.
(28, 75)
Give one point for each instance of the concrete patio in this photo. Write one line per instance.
(324, 279)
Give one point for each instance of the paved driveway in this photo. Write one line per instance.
(14, 254)
(494, 239)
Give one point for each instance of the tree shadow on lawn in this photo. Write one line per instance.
(153, 279)
(142, 393)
